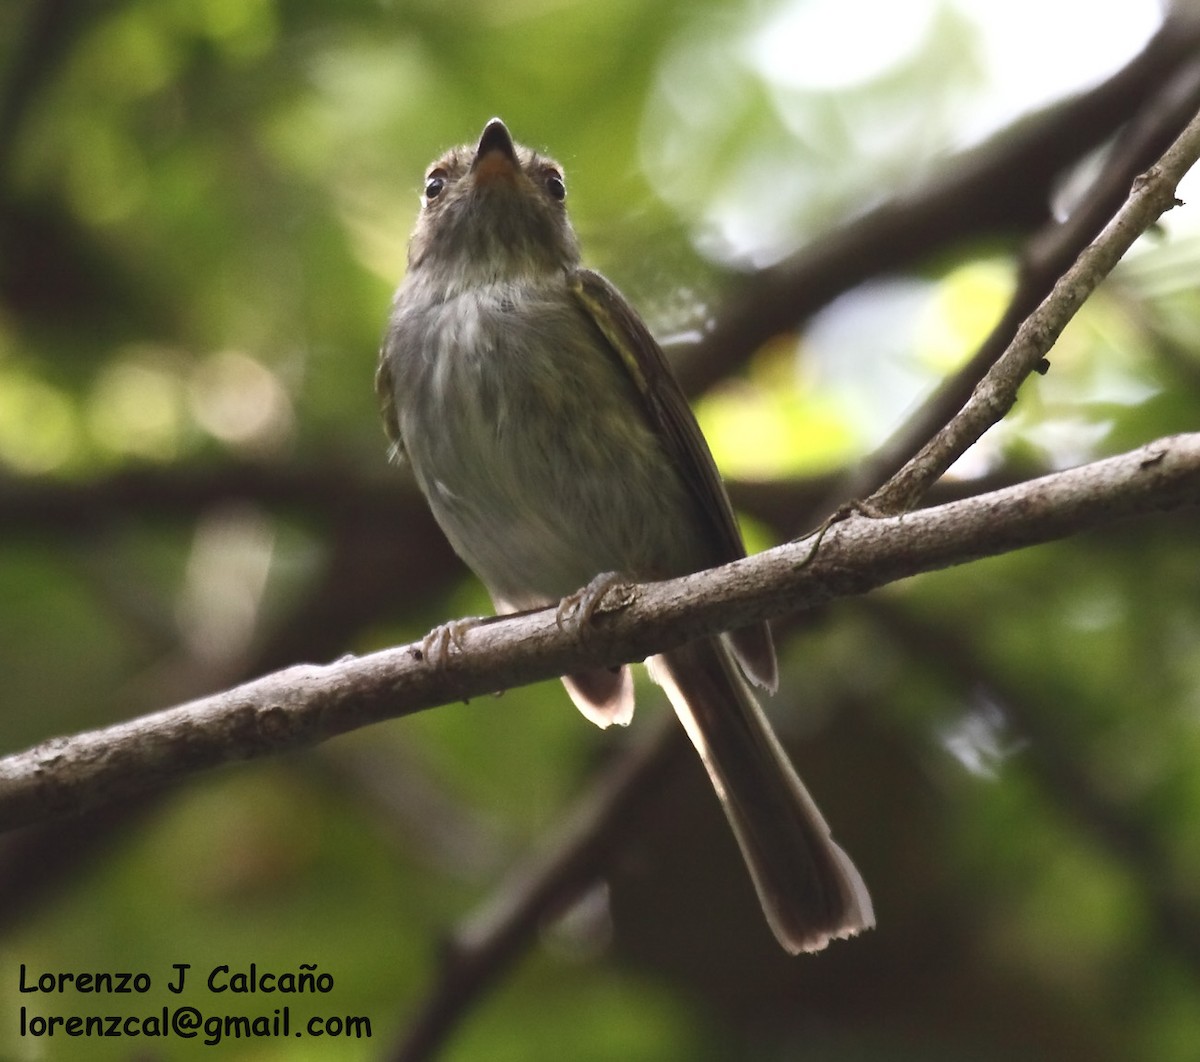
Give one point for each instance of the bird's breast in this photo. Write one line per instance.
(532, 445)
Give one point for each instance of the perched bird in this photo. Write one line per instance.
(543, 424)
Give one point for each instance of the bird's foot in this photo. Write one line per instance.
(438, 643)
(576, 611)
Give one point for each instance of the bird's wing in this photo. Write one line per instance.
(672, 417)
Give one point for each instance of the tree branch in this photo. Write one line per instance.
(305, 704)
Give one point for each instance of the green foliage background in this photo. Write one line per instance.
(203, 212)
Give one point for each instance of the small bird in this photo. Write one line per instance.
(553, 444)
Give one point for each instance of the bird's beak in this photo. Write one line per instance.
(496, 155)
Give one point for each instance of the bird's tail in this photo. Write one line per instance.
(810, 891)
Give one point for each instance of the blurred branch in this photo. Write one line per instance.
(326, 492)
(387, 505)
(382, 550)
(1179, 357)
(383, 547)
(483, 946)
(1003, 187)
(55, 268)
(305, 704)
(383, 553)
(484, 943)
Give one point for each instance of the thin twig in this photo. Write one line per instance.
(1152, 195)
(1046, 256)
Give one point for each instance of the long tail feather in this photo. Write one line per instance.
(810, 891)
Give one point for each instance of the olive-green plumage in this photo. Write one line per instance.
(543, 425)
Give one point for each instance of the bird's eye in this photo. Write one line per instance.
(434, 184)
(554, 185)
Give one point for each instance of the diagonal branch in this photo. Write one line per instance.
(305, 704)
(1153, 194)
(481, 948)
(1046, 256)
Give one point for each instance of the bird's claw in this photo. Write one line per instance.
(575, 611)
(437, 644)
